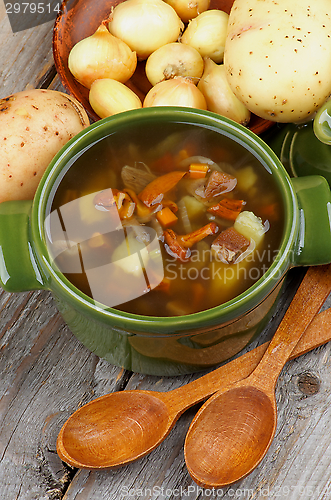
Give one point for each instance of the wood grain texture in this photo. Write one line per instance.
(25, 57)
(45, 375)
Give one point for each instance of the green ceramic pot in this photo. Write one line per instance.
(165, 345)
(304, 149)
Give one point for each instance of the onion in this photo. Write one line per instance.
(136, 177)
(109, 97)
(207, 34)
(174, 59)
(179, 91)
(218, 94)
(188, 9)
(145, 25)
(184, 216)
(101, 55)
(197, 159)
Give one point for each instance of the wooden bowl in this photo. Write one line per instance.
(81, 18)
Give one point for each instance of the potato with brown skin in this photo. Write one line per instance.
(34, 125)
(278, 56)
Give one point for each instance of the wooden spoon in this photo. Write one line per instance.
(123, 426)
(233, 430)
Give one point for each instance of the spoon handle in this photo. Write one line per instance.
(317, 333)
(310, 296)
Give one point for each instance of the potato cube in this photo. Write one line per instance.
(250, 226)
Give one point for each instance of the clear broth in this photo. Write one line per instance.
(97, 251)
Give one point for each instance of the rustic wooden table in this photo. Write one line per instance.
(46, 374)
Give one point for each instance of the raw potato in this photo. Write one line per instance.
(278, 56)
(34, 125)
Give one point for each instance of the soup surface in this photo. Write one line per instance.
(164, 220)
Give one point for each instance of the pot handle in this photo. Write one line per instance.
(19, 270)
(314, 239)
(322, 123)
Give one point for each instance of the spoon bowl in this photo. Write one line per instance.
(233, 430)
(107, 433)
(240, 421)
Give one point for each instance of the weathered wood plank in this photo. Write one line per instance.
(46, 374)
(30, 56)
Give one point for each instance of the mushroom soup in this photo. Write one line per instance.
(165, 220)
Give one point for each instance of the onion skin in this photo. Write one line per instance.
(189, 9)
(176, 92)
(101, 55)
(174, 59)
(109, 97)
(145, 25)
(207, 33)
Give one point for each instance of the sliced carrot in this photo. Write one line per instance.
(154, 192)
(198, 170)
(166, 217)
(165, 163)
(271, 212)
(198, 292)
(227, 208)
